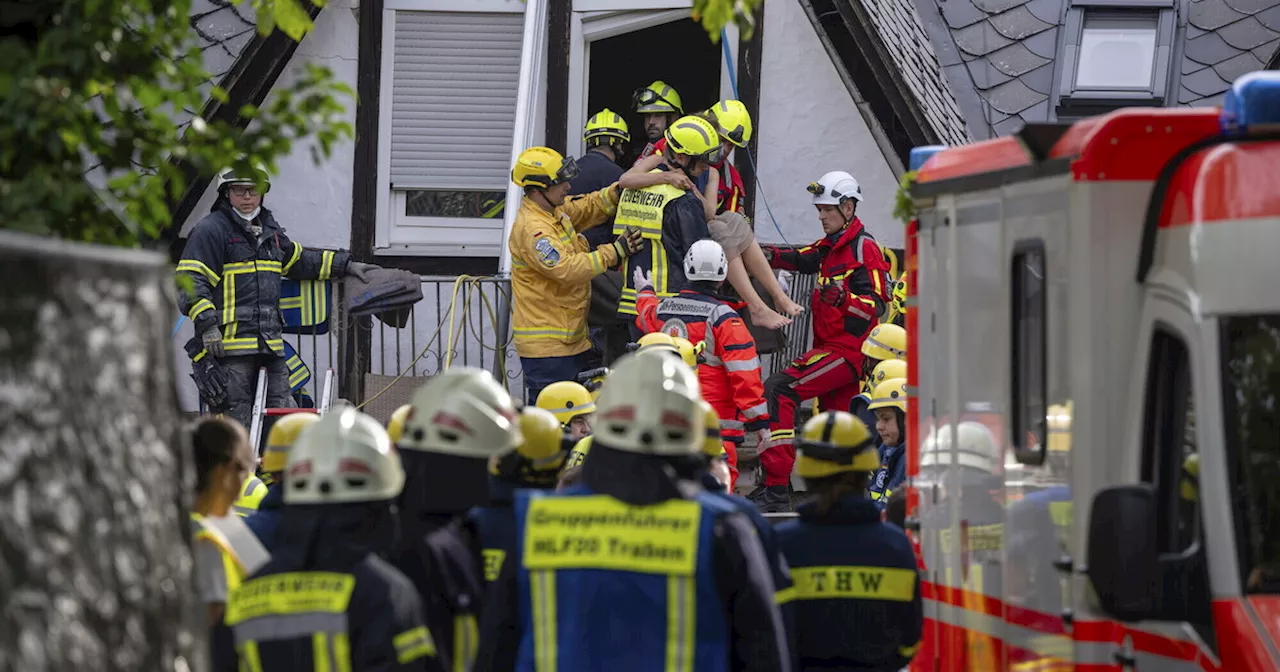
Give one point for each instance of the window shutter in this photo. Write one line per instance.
(453, 102)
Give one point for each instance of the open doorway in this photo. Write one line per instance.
(678, 53)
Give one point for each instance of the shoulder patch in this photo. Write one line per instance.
(547, 252)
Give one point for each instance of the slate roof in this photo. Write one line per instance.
(223, 30)
(1225, 39)
(899, 28)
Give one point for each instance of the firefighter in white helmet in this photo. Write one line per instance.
(326, 600)
(459, 421)
(619, 541)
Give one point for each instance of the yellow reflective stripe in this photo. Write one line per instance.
(597, 264)
(414, 644)
(230, 344)
(200, 306)
(785, 595)
(326, 264)
(466, 636)
(539, 332)
(195, 266)
(854, 582)
(250, 661)
(542, 584)
(293, 258)
(291, 593)
(199, 356)
(320, 652)
(680, 606)
(276, 345)
(229, 303)
(341, 652)
(290, 302)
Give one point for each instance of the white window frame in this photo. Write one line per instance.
(423, 236)
(599, 19)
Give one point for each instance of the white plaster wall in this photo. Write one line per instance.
(808, 125)
(312, 202)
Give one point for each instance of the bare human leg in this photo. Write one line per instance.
(755, 263)
(761, 314)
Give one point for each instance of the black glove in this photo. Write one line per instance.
(834, 295)
(628, 243)
(211, 381)
(586, 376)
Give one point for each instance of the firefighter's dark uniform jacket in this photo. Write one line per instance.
(496, 525)
(892, 472)
(265, 522)
(618, 620)
(670, 221)
(236, 278)
(853, 259)
(326, 601)
(439, 550)
(857, 590)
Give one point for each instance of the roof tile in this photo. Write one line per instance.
(1270, 17)
(1246, 34)
(1189, 66)
(985, 75)
(1205, 83)
(1233, 67)
(960, 13)
(1187, 96)
(1015, 59)
(1037, 113)
(1211, 14)
(1018, 23)
(997, 6)
(980, 39)
(1009, 126)
(1267, 51)
(1208, 49)
(1040, 80)
(1044, 45)
(1250, 6)
(1013, 97)
(1049, 11)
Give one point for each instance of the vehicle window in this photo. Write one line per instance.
(1251, 421)
(1028, 352)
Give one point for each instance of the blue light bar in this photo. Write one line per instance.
(921, 154)
(1253, 104)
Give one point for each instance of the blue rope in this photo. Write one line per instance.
(177, 325)
(755, 172)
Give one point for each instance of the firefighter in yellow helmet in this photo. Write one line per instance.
(889, 403)
(889, 368)
(251, 494)
(606, 137)
(658, 105)
(897, 313)
(614, 608)
(552, 265)
(395, 426)
(326, 600)
(857, 594)
(671, 218)
(266, 520)
(572, 406)
(535, 463)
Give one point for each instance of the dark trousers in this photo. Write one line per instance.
(540, 372)
(242, 384)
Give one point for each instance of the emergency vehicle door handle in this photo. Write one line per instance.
(1125, 659)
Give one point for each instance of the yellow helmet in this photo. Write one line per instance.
(1190, 486)
(542, 438)
(833, 443)
(688, 351)
(281, 437)
(395, 426)
(566, 400)
(733, 121)
(251, 494)
(713, 446)
(900, 293)
(579, 453)
(658, 97)
(891, 393)
(889, 368)
(886, 341)
(695, 137)
(1059, 426)
(543, 167)
(606, 124)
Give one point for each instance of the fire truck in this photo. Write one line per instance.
(1094, 448)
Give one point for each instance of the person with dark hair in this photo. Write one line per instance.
(889, 403)
(225, 550)
(857, 589)
(895, 511)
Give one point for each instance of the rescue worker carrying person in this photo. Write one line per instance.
(284, 433)
(730, 372)
(658, 105)
(849, 295)
(857, 590)
(633, 569)
(670, 218)
(234, 259)
(326, 600)
(460, 420)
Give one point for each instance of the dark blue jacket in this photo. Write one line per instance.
(858, 407)
(857, 590)
(266, 520)
(893, 471)
(496, 525)
(595, 172)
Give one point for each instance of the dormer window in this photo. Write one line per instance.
(1115, 55)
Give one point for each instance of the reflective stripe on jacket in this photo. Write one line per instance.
(551, 271)
(730, 370)
(235, 278)
(683, 222)
(242, 553)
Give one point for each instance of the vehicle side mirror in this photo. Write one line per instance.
(1122, 563)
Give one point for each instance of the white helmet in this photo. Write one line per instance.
(464, 412)
(834, 187)
(651, 404)
(705, 260)
(977, 447)
(229, 177)
(344, 457)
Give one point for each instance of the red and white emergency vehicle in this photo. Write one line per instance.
(1094, 454)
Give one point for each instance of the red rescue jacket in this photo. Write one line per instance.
(853, 259)
(730, 372)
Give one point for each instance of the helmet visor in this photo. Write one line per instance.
(568, 170)
(737, 136)
(647, 96)
(714, 156)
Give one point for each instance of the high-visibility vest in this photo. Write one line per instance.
(242, 553)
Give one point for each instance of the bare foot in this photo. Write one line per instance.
(762, 316)
(787, 307)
